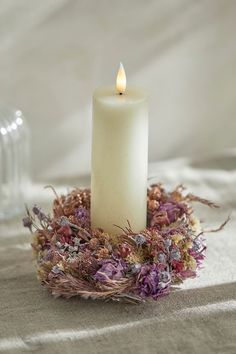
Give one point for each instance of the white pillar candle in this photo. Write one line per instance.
(119, 157)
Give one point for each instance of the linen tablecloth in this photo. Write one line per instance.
(199, 317)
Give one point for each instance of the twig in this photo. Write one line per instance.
(121, 228)
(220, 227)
(57, 196)
(193, 198)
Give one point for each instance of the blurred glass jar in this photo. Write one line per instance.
(14, 161)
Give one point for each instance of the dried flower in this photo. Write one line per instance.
(87, 264)
(93, 243)
(124, 250)
(155, 192)
(27, 222)
(134, 268)
(65, 231)
(175, 254)
(82, 216)
(153, 204)
(40, 215)
(76, 241)
(167, 243)
(177, 238)
(152, 281)
(140, 239)
(103, 253)
(173, 210)
(159, 219)
(110, 269)
(161, 257)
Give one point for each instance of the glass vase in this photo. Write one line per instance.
(14, 161)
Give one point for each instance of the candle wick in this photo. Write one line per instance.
(120, 93)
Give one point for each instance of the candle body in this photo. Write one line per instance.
(119, 160)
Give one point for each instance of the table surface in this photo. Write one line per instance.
(200, 317)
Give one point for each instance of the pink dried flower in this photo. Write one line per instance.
(124, 250)
(65, 230)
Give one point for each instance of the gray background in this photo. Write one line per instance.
(183, 52)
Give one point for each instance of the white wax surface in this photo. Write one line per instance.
(119, 159)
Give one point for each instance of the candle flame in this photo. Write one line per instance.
(121, 80)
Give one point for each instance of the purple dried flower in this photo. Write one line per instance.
(55, 272)
(36, 210)
(173, 210)
(27, 222)
(40, 215)
(152, 281)
(110, 269)
(82, 216)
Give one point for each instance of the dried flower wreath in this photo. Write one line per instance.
(73, 259)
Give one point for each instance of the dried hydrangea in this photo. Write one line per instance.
(152, 281)
(110, 269)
